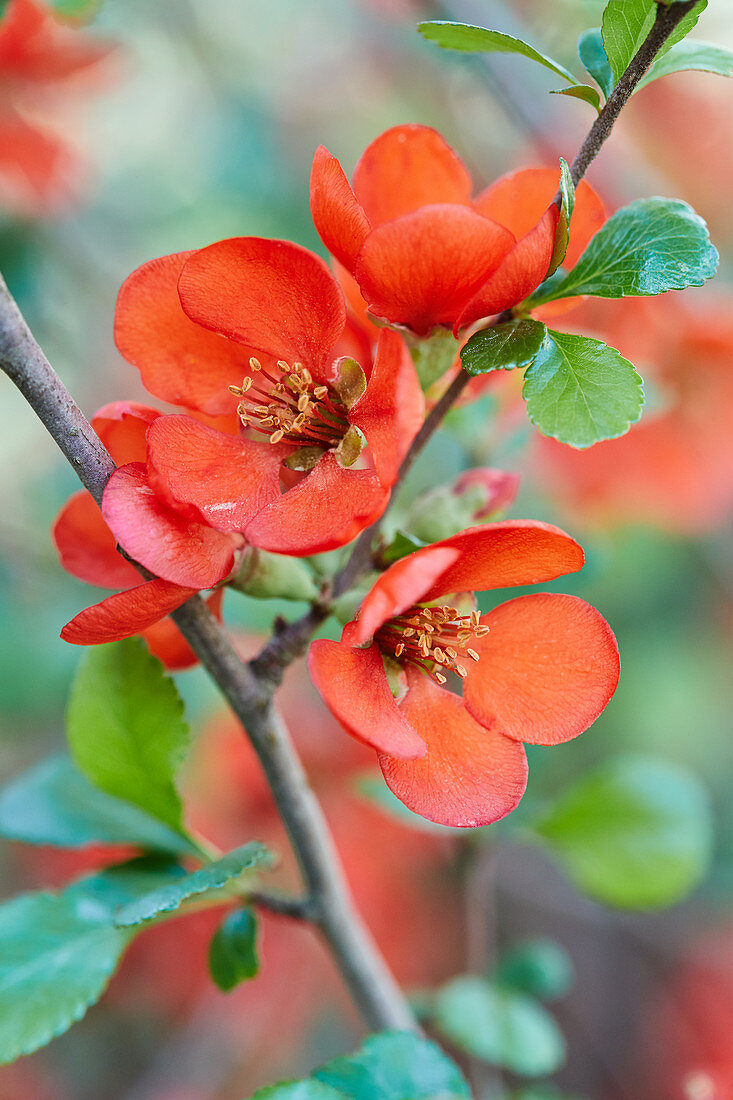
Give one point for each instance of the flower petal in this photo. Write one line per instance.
(125, 613)
(401, 586)
(165, 641)
(122, 426)
(494, 555)
(340, 221)
(168, 543)
(179, 361)
(392, 408)
(469, 776)
(519, 199)
(519, 273)
(327, 509)
(421, 269)
(355, 689)
(87, 548)
(227, 478)
(408, 167)
(274, 295)
(547, 668)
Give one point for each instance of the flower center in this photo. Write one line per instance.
(433, 638)
(291, 406)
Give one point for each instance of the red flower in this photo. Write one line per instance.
(422, 250)
(88, 550)
(39, 58)
(538, 669)
(255, 326)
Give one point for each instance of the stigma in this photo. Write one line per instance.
(436, 639)
(290, 407)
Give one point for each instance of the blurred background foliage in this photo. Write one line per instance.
(201, 125)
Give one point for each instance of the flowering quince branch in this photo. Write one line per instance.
(371, 242)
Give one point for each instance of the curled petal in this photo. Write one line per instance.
(421, 269)
(179, 361)
(123, 427)
(125, 613)
(168, 543)
(87, 548)
(391, 410)
(355, 689)
(408, 167)
(272, 295)
(341, 222)
(327, 509)
(519, 273)
(519, 199)
(228, 479)
(546, 669)
(469, 776)
(401, 586)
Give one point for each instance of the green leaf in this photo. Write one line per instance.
(648, 247)
(463, 36)
(636, 833)
(705, 57)
(401, 545)
(503, 347)
(395, 1065)
(581, 91)
(233, 950)
(298, 1090)
(434, 356)
(626, 23)
(77, 9)
(593, 56)
(213, 876)
(499, 1026)
(57, 953)
(581, 391)
(54, 803)
(126, 728)
(541, 968)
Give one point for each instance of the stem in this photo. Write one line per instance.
(331, 908)
(667, 18)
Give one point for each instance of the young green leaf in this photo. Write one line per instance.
(233, 950)
(126, 728)
(463, 36)
(567, 205)
(77, 9)
(593, 56)
(581, 391)
(298, 1090)
(635, 833)
(395, 1065)
(503, 347)
(541, 968)
(648, 247)
(705, 57)
(212, 877)
(54, 803)
(581, 91)
(626, 23)
(499, 1026)
(58, 951)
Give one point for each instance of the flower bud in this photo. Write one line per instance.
(477, 496)
(274, 576)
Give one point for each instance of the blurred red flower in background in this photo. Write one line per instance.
(538, 669)
(423, 252)
(42, 63)
(675, 468)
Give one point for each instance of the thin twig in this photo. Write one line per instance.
(667, 19)
(362, 966)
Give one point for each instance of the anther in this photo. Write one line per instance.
(254, 364)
